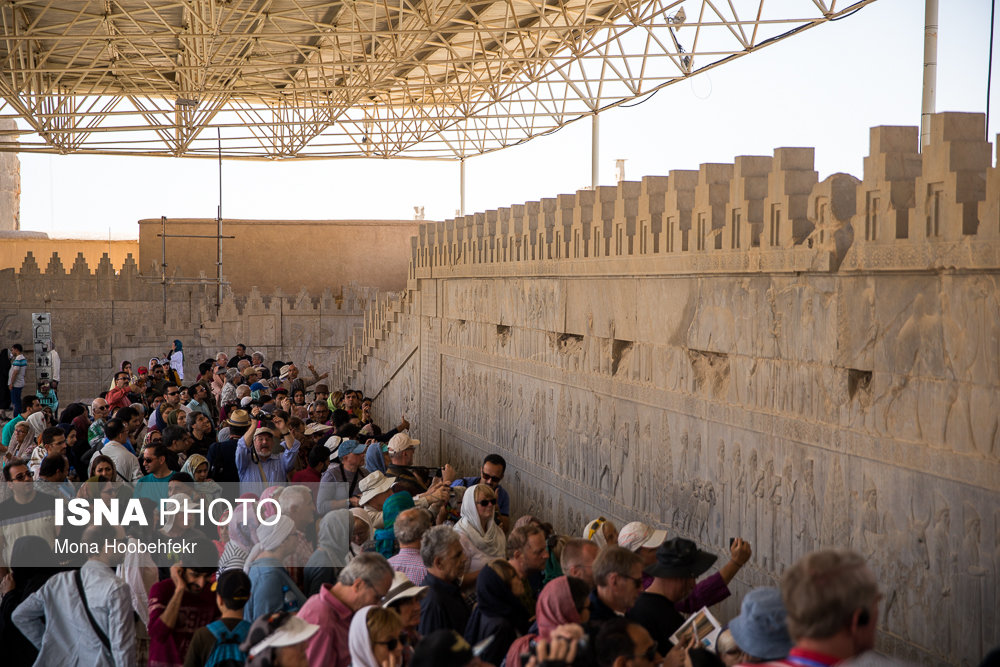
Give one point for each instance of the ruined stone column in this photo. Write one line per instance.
(10, 180)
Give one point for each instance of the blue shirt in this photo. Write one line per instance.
(255, 478)
(152, 487)
(503, 498)
(269, 583)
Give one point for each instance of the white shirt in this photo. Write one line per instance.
(177, 363)
(126, 463)
(56, 364)
(53, 618)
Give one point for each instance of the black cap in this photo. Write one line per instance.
(679, 559)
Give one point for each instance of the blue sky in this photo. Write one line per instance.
(823, 88)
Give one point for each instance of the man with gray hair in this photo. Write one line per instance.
(831, 598)
(409, 528)
(365, 581)
(445, 560)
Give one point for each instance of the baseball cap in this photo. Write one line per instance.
(636, 535)
(401, 442)
(351, 447)
(233, 586)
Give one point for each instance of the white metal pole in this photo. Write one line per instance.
(595, 149)
(930, 69)
(461, 186)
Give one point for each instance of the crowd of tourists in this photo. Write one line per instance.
(370, 561)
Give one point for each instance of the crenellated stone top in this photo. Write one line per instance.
(933, 210)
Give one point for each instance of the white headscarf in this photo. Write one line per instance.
(36, 424)
(334, 536)
(492, 541)
(360, 642)
(270, 538)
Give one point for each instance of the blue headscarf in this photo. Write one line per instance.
(374, 459)
(178, 345)
(385, 538)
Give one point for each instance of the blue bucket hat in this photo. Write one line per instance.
(760, 628)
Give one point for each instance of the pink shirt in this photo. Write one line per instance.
(329, 646)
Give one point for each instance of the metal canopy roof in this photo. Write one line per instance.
(354, 78)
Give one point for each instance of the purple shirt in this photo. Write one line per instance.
(710, 590)
(409, 562)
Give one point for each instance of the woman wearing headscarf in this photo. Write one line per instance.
(176, 357)
(22, 581)
(375, 458)
(333, 548)
(196, 465)
(499, 612)
(563, 600)
(481, 537)
(385, 537)
(242, 537)
(374, 638)
(271, 587)
(26, 445)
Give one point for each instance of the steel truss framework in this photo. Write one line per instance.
(354, 78)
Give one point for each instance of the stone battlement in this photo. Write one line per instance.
(761, 214)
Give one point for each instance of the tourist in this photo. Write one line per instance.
(278, 640)
(273, 589)
(32, 563)
(333, 548)
(201, 402)
(618, 581)
(55, 363)
(176, 357)
(601, 532)
(341, 481)
(499, 612)
(319, 461)
(404, 598)
(220, 640)
(181, 604)
(621, 642)
(410, 527)
(262, 465)
(528, 553)
(222, 454)
(26, 512)
(200, 429)
(445, 560)
(401, 450)
(118, 396)
(154, 485)
(760, 632)
(53, 473)
(375, 489)
(385, 537)
(482, 539)
(63, 632)
(679, 562)
(564, 600)
(242, 534)
(177, 440)
(28, 406)
(492, 473)
(47, 397)
(374, 638)
(16, 376)
(363, 582)
(832, 600)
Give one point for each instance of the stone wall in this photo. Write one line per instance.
(104, 316)
(10, 180)
(737, 350)
(286, 254)
(14, 248)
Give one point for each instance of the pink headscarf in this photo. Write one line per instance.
(555, 607)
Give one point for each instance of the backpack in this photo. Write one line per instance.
(227, 651)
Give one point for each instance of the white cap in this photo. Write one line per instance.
(637, 535)
(293, 631)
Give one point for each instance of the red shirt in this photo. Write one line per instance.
(168, 646)
(306, 476)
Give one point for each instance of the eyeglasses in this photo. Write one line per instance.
(148, 459)
(488, 502)
(22, 477)
(100, 407)
(172, 393)
(491, 478)
(394, 642)
(635, 580)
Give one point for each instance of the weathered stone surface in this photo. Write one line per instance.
(823, 387)
(10, 180)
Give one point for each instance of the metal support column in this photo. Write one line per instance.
(595, 149)
(461, 186)
(930, 70)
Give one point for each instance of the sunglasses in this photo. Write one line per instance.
(148, 459)
(394, 642)
(487, 503)
(24, 476)
(172, 393)
(491, 478)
